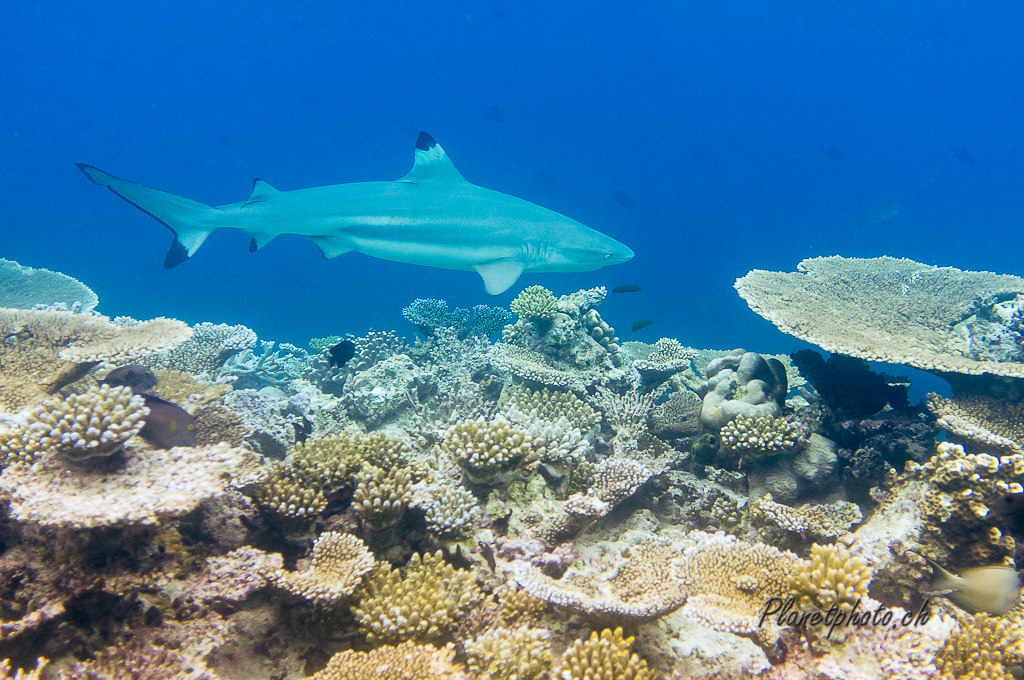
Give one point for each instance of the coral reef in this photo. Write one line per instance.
(982, 648)
(535, 303)
(27, 287)
(742, 383)
(605, 656)
(338, 564)
(207, 350)
(759, 436)
(407, 661)
(511, 653)
(453, 512)
(811, 521)
(489, 452)
(832, 577)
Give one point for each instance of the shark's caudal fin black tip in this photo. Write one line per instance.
(253, 245)
(425, 142)
(177, 254)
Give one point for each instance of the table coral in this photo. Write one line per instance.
(605, 656)
(992, 422)
(210, 346)
(152, 484)
(25, 287)
(533, 366)
(882, 309)
(407, 661)
(338, 564)
(418, 602)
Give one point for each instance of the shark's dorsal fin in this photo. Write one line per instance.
(499, 275)
(261, 191)
(431, 163)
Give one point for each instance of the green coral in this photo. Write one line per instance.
(421, 602)
(535, 303)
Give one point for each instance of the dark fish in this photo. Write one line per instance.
(135, 376)
(627, 288)
(495, 114)
(1009, 510)
(834, 153)
(167, 425)
(624, 200)
(341, 353)
(964, 156)
(640, 323)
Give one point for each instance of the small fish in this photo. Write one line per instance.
(627, 288)
(640, 323)
(1009, 508)
(624, 200)
(167, 425)
(964, 156)
(341, 353)
(135, 376)
(991, 590)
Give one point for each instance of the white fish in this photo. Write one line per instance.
(993, 590)
(431, 216)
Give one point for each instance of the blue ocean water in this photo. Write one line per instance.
(712, 138)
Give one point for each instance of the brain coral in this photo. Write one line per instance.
(882, 309)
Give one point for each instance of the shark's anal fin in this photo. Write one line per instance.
(499, 275)
(431, 163)
(332, 246)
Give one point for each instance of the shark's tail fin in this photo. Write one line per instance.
(189, 220)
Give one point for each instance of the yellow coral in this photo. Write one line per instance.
(827, 521)
(511, 654)
(607, 656)
(982, 648)
(831, 577)
(330, 462)
(288, 495)
(535, 303)
(488, 450)
(381, 496)
(421, 604)
(339, 563)
(407, 661)
(759, 435)
(518, 606)
(550, 405)
(5, 671)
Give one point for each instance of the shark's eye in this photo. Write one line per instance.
(607, 256)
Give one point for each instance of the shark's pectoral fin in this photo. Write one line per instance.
(332, 246)
(499, 275)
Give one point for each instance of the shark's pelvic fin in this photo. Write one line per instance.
(261, 191)
(332, 246)
(431, 163)
(189, 220)
(499, 275)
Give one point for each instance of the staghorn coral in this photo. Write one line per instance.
(759, 436)
(832, 577)
(728, 581)
(527, 405)
(519, 653)
(210, 346)
(41, 351)
(407, 661)
(883, 309)
(956, 504)
(816, 521)
(487, 321)
(605, 656)
(419, 602)
(94, 423)
(151, 484)
(453, 511)
(138, 662)
(288, 495)
(26, 287)
(381, 496)
(992, 422)
(982, 648)
(338, 564)
(427, 315)
(489, 452)
(535, 303)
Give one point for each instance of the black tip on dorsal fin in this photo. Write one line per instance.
(253, 246)
(425, 142)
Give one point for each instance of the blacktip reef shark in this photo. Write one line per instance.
(431, 216)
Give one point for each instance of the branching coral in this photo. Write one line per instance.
(427, 315)
(511, 654)
(759, 436)
(338, 565)
(607, 656)
(94, 423)
(329, 462)
(420, 602)
(453, 511)
(381, 496)
(832, 577)
(407, 661)
(489, 452)
(5, 671)
(525, 405)
(138, 662)
(668, 358)
(827, 521)
(210, 346)
(535, 303)
(288, 495)
(982, 648)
